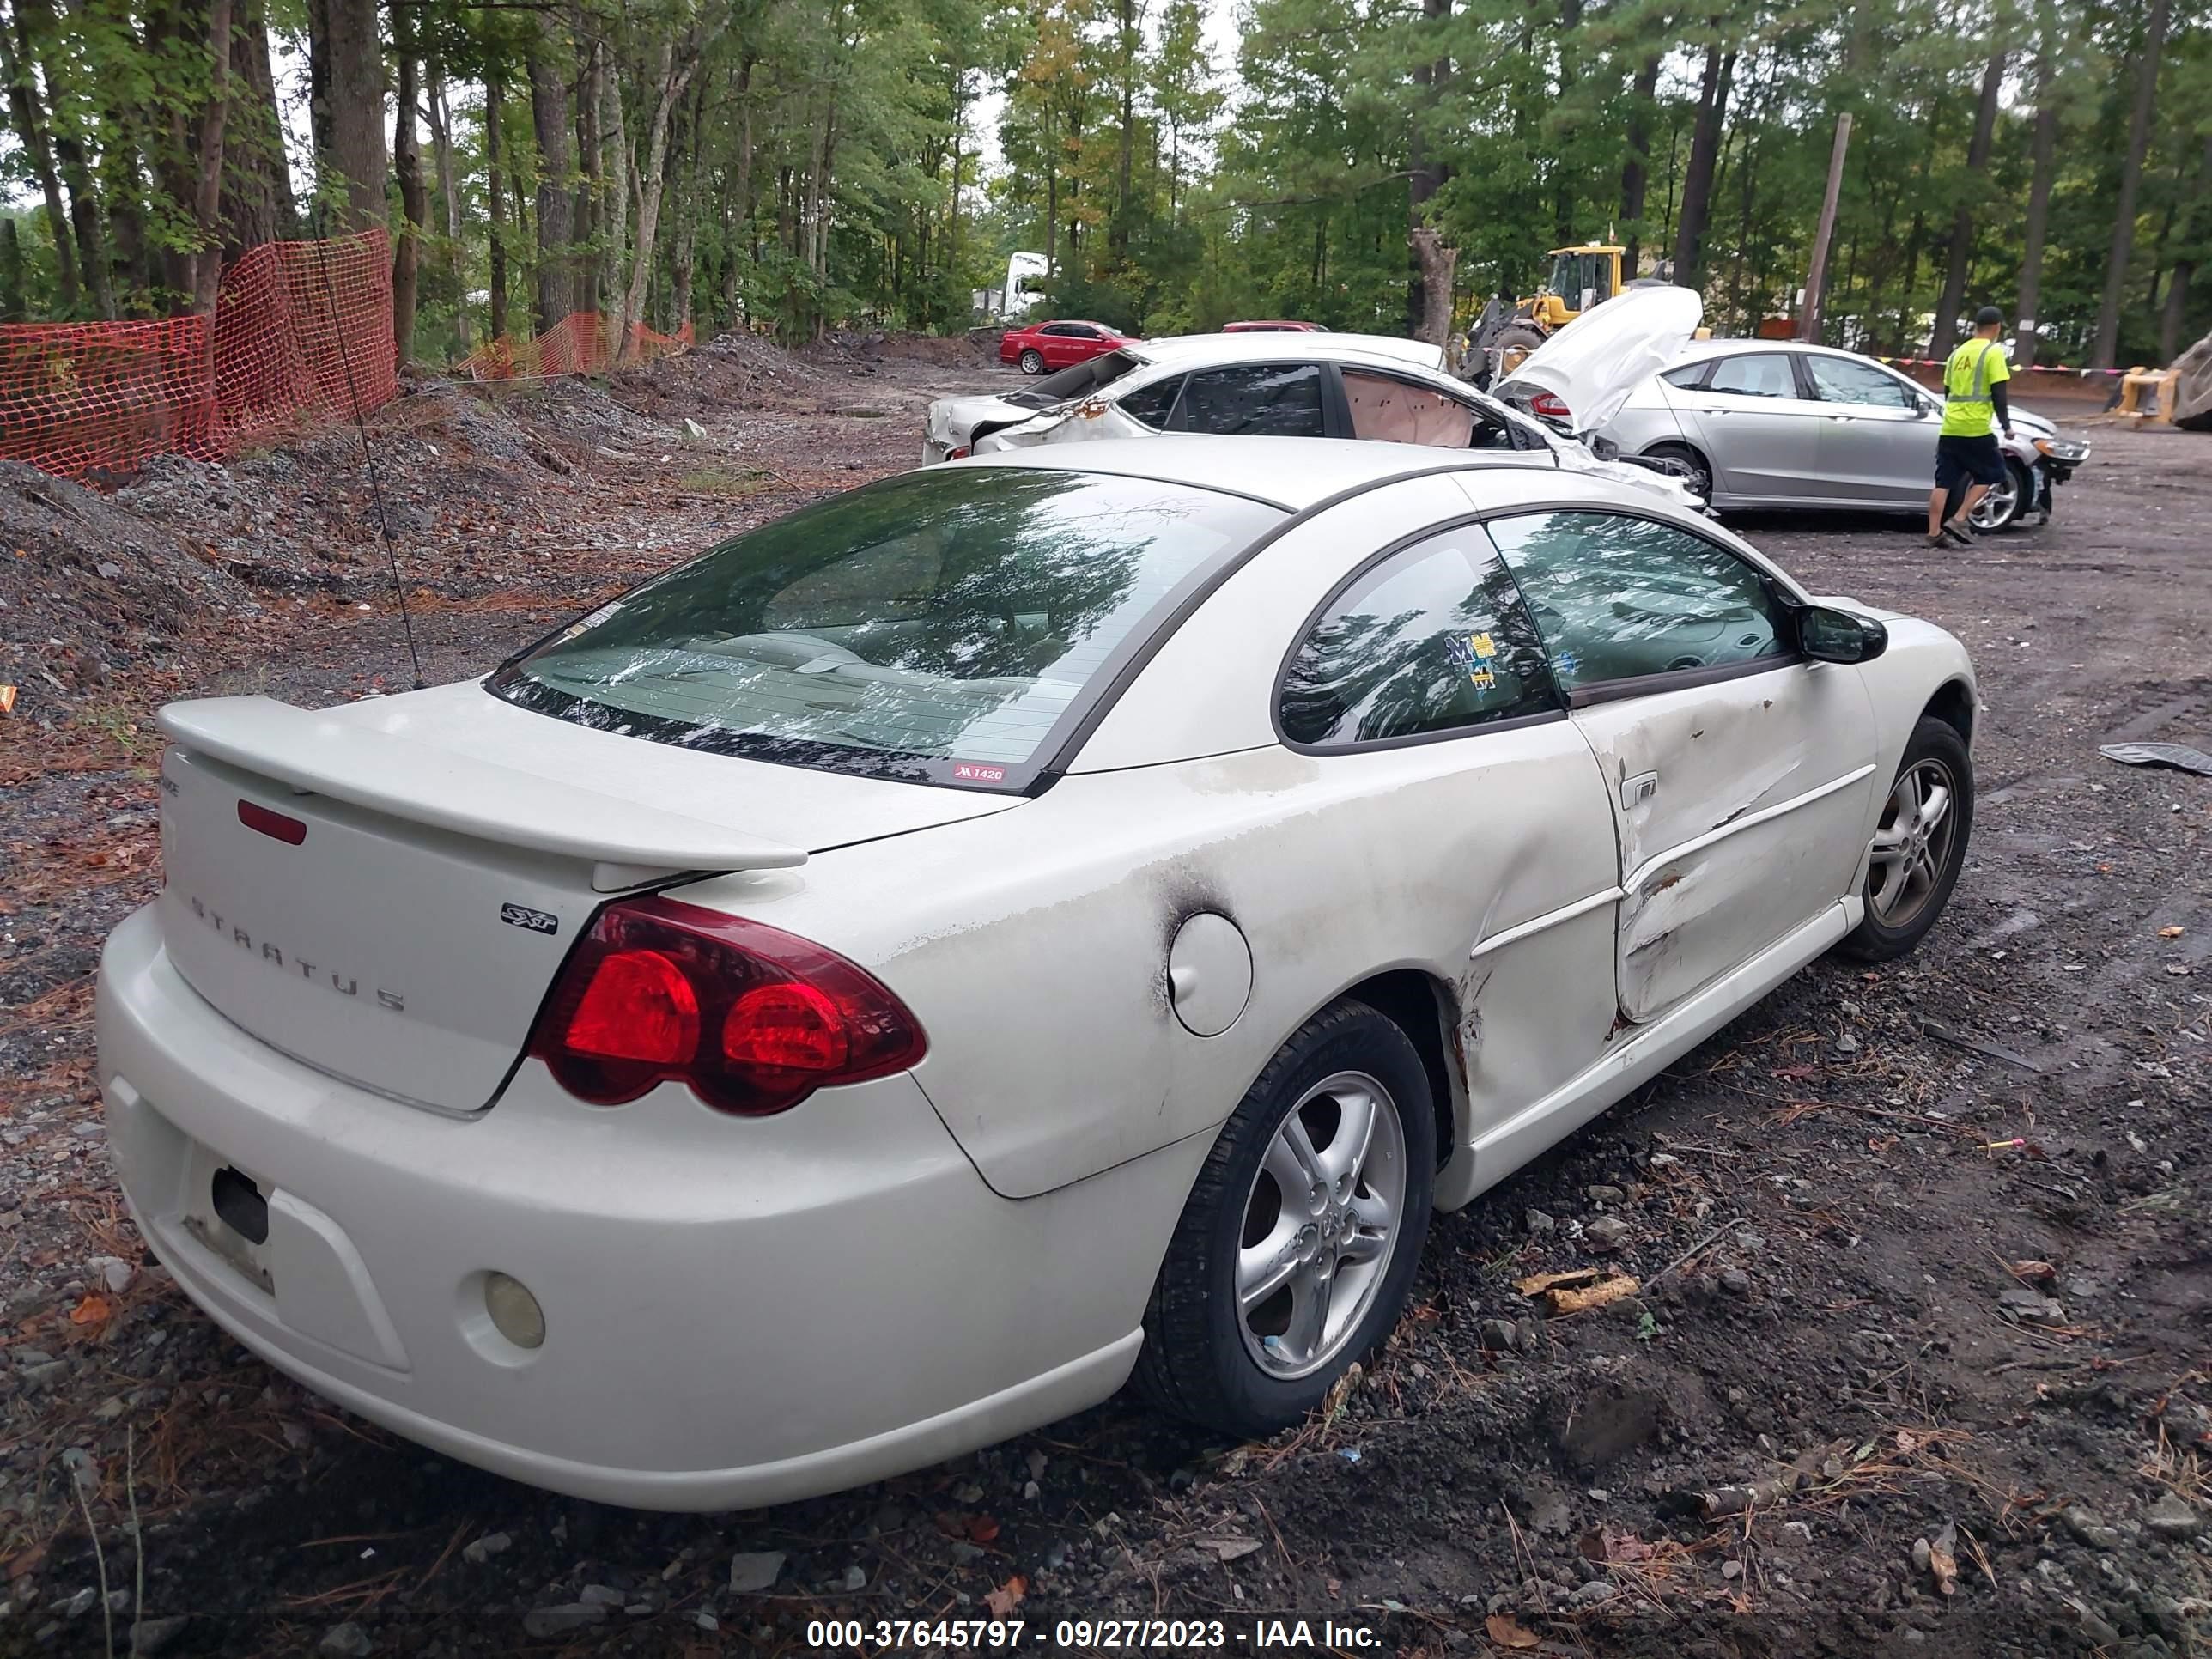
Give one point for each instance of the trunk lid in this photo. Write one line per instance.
(385, 891)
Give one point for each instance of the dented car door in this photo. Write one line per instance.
(1740, 774)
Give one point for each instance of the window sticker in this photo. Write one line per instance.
(969, 772)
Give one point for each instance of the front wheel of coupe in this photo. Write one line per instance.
(1032, 362)
(1294, 1253)
(1919, 844)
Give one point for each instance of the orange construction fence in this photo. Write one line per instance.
(301, 335)
(582, 342)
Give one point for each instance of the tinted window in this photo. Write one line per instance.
(1617, 598)
(1152, 404)
(1433, 638)
(1688, 375)
(936, 628)
(1840, 380)
(1398, 412)
(1276, 400)
(1755, 375)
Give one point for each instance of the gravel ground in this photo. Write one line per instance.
(1919, 1358)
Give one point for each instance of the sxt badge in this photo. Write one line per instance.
(538, 921)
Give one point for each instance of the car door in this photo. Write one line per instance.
(1741, 774)
(1877, 436)
(1277, 400)
(1421, 693)
(1760, 432)
(1065, 343)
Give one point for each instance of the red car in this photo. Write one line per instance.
(1043, 346)
(1275, 326)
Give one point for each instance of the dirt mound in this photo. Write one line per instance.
(90, 591)
(954, 351)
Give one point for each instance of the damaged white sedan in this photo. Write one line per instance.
(871, 989)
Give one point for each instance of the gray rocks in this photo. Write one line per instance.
(2088, 1529)
(477, 1551)
(602, 1595)
(856, 1577)
(82, 1603)
(561, 1620)
(1606, 1234)
(750, 1574)
(1497, 1336)
(346, 1641)
(1597, 1593)
(1541, 1222)
(2174, 1517)
(2030, 1307)
(1735, 1281)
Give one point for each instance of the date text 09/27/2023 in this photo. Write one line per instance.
(1264, 1633)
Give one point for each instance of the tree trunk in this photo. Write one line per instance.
(40, 37)
(671, 78)
(12, 306)
(741, 191)
(1705, 156)
(1130, 40)
(2105, 352)
(1425, 176)
(550, 59)
(1438, 265)
(590, 175)
(2196, 231)
(449, 250)
(685, 263)
(1946, 328)
(496, 203)
(413, 200)
(207, 198)
(614, 136)
(357, 110)
(29, 119)
(1636, 164)
(257, 190)
(1564, 180)
(2045, 171)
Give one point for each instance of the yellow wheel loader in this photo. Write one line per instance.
(1581, 277)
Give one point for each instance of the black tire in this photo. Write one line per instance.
(1878, 939)
(1194, 1361)
(1684, 456)
(1032, 362)
(1521, 338)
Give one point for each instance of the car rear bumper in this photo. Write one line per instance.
(737, 1312)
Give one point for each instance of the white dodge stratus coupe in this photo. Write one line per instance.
(869, 990)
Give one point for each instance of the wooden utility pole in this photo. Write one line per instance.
(1808, 320)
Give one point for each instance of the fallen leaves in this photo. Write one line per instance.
(2163, 933)
(1507, 1633)
(1943, 1559)
(1581, 1289)
(95, 1310)
(1003, 1600)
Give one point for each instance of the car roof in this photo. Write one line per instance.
(1279, 342)
(1292, 473)
(1699, 351)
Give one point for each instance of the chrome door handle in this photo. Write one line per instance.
(1843, 419)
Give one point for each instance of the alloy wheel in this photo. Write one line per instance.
(1321, 1224)
(1996, 510)
(1913, 845)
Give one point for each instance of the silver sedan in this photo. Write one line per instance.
(1770, 423)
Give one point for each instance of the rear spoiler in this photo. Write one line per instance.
(315, 754)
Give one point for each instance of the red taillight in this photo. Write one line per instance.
(1551, 408)
(754, 1019)
(959, 452)
(254, 817)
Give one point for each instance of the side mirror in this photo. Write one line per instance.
(1924, 408)
(1826, 635)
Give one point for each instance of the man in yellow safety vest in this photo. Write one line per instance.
(1967, 448)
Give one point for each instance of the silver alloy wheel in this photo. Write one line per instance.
(1321, 1225)
(1996, 510)
(1913, 845)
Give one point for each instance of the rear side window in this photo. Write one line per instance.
(938, 627)
(1397, 411)
(1755, 375)
(1434, 639)
(1275, 400)
(1689, 376)
(1619, 597)
(1153, 404)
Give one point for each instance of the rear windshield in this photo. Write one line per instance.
(1080, 380)
(943, 627)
